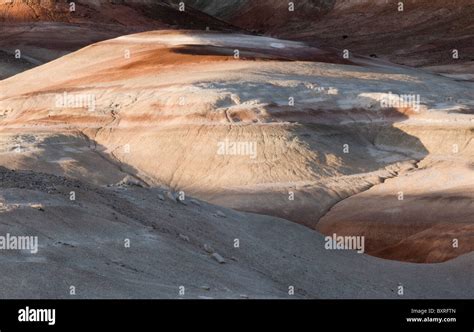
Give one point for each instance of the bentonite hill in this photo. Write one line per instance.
(153, 146)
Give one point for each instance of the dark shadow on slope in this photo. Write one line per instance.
(72, 155)
(270, 53)
(10, 66)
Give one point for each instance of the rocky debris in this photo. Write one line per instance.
(24, 179)
(130, 181)
(60, 243)
(161, 197)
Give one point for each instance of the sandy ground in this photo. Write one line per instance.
(159, 119)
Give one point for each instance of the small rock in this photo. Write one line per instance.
(38, 207)
(244, 296)
(170, 196)
(184, 237)
(130, 181)
(218, 258)
(220, 214)
(234, 259)
(195, 202)
(182, 201)
(208, 248)
(161, 197)
(206, 288)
